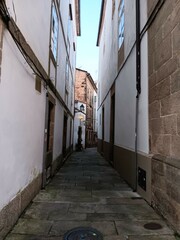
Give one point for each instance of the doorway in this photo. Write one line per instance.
(65, 134)
(49, 138)
(102, 147)
(112, 128)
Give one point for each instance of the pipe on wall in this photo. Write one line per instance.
(138, 84)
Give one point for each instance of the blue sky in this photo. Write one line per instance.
(87, 52)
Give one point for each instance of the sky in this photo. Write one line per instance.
(87, 51)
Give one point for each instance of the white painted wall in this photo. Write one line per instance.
(125, 103)
(99, 114)
(22, 123)
(130, 26)
(107, 105)
(58, 130)
(107, 52)
(143, 122)
(125, 93)
(34, 22)
(22, 108)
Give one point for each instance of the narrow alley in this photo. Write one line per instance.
(88, 192)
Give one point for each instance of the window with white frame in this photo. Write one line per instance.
(121, 23)
(54, 32)
(67, 74)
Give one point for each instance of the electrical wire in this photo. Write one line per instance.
(6, 17)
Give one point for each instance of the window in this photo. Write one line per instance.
(38, 83)
(113, 8)
(67, 73)
(54, 32)
(69, 28)
(121, 23)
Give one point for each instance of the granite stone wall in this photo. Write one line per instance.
(164, 108)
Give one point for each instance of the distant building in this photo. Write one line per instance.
(139, 98)
(37, 75)
(86, 95)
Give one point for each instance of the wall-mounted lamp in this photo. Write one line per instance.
(82, 108)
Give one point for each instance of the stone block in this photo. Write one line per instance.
(152, 237)
(175, 81)
(163, 14)
(178, 124)
(61, 216)
(161, 56)
(161, 144)
(9, 215)
(158, 168)
(32, 227)
(137, 228)
(172, 20)
(152, 80)
(153, 94)
(32, 237)
(173, 174)
(156, 126)
(170, 104)
(173, 191)
(82, 208)
(37, 210)
(151, 5)
(159, 181)
(151, 61)
(175, 149)
(170, 124)
(30, 192)
(163, 88)
(154, 110)
(61, 227)
(167, 69)
(158, 38)
(176, 39)
(164, 125)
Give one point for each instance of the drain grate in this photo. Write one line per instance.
(83, 233)
(153, 226)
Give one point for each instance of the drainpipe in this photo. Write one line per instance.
(138, 84)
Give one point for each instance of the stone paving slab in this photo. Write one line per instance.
(136, 228)
(88, 192)
(61, 227)
(147, 237)
(31, 237)
(43, 210)
(31, 226)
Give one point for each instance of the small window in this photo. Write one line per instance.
(121, 23)
(54, 32)
(113, 8)
(67, 70)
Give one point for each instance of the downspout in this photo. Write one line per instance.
(138, 84)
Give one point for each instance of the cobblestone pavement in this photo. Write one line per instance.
(87, 191)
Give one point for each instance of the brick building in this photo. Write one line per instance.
(139, 98)
(86, 94)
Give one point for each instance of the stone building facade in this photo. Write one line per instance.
(37, 75)
(86, 93)
(164, 108)
(138, 109)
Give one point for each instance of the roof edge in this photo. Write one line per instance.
(101, 20)
(78, 17)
